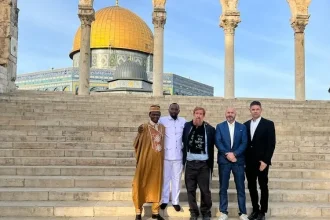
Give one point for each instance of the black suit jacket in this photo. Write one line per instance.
(262, 146)
(210, 133)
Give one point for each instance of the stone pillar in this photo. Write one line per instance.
(87, 16)
(159, 20)
(8, 44)
(228, 21)
(299, 21)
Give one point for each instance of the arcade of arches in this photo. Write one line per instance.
(229, 20)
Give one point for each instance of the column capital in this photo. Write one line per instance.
(229, 21)
(299, 14)
(159, 4)
(299, 23)
(159, 17)
(86, 14)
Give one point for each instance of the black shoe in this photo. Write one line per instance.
(138, 217)
(158, 217)
(261, 216)
(193, 216)
(206, 216)
(177, 208)
(163, 206)
(253, 215)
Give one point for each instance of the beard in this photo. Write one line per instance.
(198, 122)
(174, 117)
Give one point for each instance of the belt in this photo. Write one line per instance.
(197, 161)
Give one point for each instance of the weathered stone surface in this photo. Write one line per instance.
(60, 156)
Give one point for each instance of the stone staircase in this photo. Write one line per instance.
(70, 157)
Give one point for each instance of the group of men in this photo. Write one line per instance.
(165, 146)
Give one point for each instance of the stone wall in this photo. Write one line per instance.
(3, 79)
(8, 43)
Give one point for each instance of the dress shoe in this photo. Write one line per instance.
(177, 208)
(261, 216)
(193, 216)
(138, 217)
(163, 206)
(253, 215)
(158, 217)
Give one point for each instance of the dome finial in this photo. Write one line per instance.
(117, 2)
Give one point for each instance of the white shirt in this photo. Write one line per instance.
(173, 137)
(253, 126)
(231, 132)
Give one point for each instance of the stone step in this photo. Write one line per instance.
(312, 147)
(130, 131)
(129, 153)
(129, 171)
(99, 139)
(74, 130)
(215, 103)
(132, 217)
(142, 111)
(99, 98)
(126, 182)
(126, 121)
(117, 137)
(66, 153)
(115, 208)
(103, 161)
(129, 138)
(125, 194)
(66, 145)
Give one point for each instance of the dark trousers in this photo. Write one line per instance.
(198, 173)
(239, 178)
(252, 174)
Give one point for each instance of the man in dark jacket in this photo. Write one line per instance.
(198, 159)
(261, 146)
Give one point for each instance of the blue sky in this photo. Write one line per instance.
(194, 43)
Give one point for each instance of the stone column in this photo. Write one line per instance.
(159, 20)
(228, 21)
(8, 44)
(299, 21)
(87, 16)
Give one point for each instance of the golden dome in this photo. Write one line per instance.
(117, 27)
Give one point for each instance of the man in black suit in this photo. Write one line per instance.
(261, 146)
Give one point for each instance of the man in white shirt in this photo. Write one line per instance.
(261, 145)
(173, 156)
(231, 141)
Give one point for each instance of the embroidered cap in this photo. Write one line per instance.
(154, 108)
